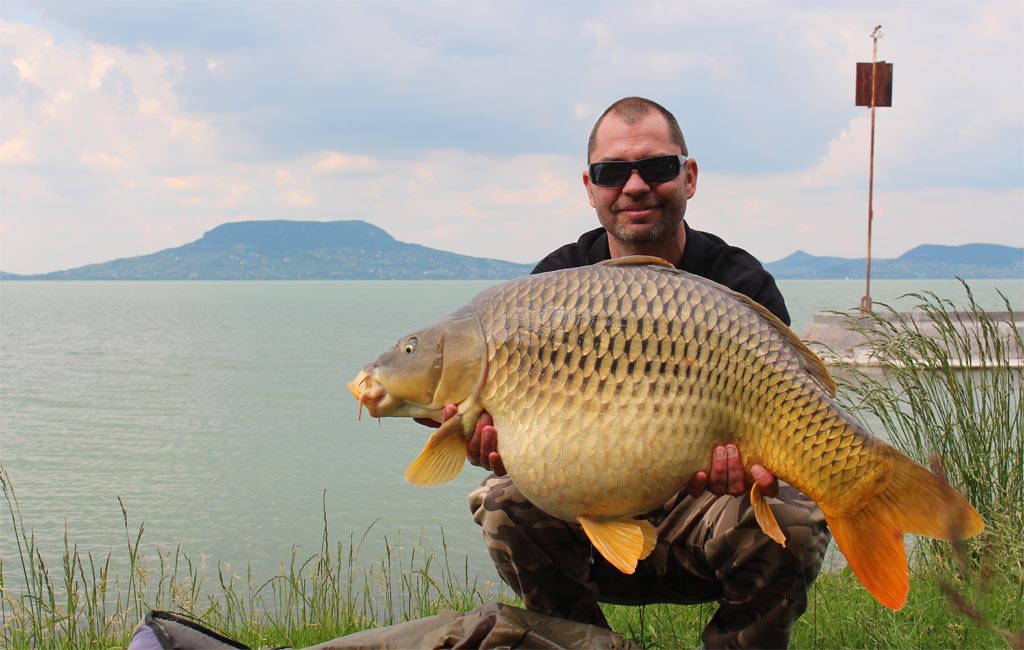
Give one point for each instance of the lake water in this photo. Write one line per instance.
(217, 412)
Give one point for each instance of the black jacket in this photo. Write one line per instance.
(705, 255)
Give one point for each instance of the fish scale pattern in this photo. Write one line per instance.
(619, 380)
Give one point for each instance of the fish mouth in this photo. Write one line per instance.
(368, 390)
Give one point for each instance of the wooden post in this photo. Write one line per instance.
(874, 88)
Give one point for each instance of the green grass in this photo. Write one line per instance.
(85, 604)
(841, 614)
(964, 597)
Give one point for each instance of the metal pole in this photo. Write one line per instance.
(865, 302)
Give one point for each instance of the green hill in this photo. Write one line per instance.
(928, 261)
(294, 250)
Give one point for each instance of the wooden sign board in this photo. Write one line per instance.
(883, 84)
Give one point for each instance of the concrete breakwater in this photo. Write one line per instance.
(840, 337)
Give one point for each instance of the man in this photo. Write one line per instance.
(709, 547)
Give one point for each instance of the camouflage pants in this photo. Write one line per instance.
(709, 549)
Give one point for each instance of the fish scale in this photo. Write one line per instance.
(611, 384)
(694, 376)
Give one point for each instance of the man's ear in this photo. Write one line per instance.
(691, 177)
(586, 184)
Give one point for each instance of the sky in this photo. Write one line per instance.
(131, 127)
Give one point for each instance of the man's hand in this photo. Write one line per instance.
(728, 477)
(482, 449)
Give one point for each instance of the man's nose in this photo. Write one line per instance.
(635, 183)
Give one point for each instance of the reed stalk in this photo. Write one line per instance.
(951, 396)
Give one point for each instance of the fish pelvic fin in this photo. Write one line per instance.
(623, 542)
(442, 457)
(765, 517)
(914, 501)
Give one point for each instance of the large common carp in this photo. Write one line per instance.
(609, 386)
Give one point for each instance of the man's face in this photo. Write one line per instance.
(639, 215)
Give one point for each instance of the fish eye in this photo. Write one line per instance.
(410, 345)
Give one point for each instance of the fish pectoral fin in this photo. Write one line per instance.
(623, 542)
(443, 456)
(765, 517)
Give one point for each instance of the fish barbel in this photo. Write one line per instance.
(611, 384)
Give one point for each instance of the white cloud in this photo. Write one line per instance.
(183, 183)
(102, 160)
(773, 215)
(113, 147)
(101, 64)
(24, 69)
(15, 150)
(334, 161)
(295, 199)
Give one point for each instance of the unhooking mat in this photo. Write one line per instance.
(494, 625)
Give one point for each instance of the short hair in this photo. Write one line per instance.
(632, 110)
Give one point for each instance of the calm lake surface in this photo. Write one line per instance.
(217, 412)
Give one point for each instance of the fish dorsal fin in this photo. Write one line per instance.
(813, 364)
(443, 456)
(623, 542)
(635, 260)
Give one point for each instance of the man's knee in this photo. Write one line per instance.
(737, 546)
(807, 535)
(544, 559)
(498, 503)
(507, 517)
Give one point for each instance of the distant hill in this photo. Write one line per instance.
(294, 250)
(926, 262)
(356, 250)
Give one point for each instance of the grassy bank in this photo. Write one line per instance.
(71, 600)
(841, 614)
(967, 596)
(77, 602)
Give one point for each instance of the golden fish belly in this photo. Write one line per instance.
(591, 469)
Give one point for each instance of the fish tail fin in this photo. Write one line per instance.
(914, 501)
(443, 456)
(623, 542)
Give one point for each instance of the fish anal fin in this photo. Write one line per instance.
(623, 542)
(636, 260)
(913, 500)
(764, 515)
(650, 538)
(443, 456)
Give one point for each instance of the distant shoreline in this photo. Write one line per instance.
(356, 250)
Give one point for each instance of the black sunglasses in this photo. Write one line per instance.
(615, 173)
